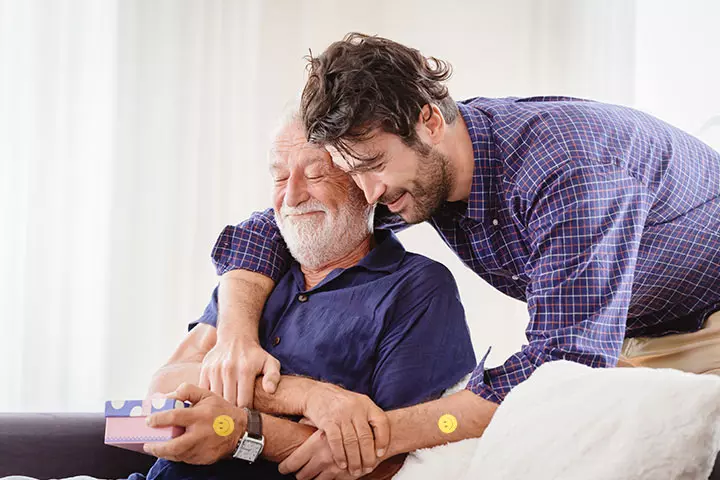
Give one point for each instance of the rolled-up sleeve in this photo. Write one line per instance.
(255, 245)
(584, 230)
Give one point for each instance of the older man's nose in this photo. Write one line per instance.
(372, 189)
(295, 193)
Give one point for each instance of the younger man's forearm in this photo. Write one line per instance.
(241, 298)
(416, 427)
(411, 428)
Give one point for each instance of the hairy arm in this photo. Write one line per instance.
(241, 299)
(416, 427)
(290, 397)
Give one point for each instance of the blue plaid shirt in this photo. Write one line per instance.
(603, 219)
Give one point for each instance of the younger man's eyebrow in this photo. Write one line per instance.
(368, 163)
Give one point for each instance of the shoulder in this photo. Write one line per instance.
(422, 275)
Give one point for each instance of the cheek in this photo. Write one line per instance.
(330, 194)
(278, 196)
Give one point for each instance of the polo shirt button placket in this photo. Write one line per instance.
(302, 298)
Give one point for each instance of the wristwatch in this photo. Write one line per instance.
(252, 442)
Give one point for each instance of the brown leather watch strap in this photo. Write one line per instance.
(254, 424)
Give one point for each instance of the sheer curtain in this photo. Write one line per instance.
(132, 131)
(57, 120)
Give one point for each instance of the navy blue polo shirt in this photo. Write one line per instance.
(391, 327)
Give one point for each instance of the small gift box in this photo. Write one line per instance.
(125, 422)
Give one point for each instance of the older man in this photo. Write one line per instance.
(355, 310)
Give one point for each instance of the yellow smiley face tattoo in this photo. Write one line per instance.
(447, 423)
(224, 425)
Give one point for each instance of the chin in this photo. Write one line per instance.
(411, 214)
(413, 217)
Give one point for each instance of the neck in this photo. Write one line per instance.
(462, 159)
(313, 276)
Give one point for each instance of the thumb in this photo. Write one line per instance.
(307, 421)
(188, 392)
(271, 375)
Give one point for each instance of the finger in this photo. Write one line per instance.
(192, 455)
(329, 474)
(311, 470)
(366, 443)
(179, 417)
(204, 381)
(174, 450)
(352, 449)
(306, 421)
(187, 392)
(271, 375)
(381, 430)
(245, 389)
(229, 387)
(298, 459)
(216, 384)
(335, 440)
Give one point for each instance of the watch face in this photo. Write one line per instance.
(249, 449)
(252, 448)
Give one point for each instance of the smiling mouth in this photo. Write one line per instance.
(302, 214)
(395, 205)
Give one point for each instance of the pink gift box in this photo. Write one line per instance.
(125, 422)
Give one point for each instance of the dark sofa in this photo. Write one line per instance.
(49, 445)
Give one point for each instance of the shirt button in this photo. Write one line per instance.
(276, 341)
(302, 298)
(495, 222)
(515, 277)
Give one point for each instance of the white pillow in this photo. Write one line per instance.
(568, 421)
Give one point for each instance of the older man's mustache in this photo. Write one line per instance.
(307, 207)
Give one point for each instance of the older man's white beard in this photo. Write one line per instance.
(318, 240)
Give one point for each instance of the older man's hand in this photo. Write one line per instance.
(314, 460)
(357, 430)
(201, 444)
(230, 368)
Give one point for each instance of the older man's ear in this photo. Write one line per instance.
(186, 362)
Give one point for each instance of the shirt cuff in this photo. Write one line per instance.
(478, 384)
(254, 246)
(207, 318)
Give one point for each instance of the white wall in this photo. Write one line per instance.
(678, 64)
(161, 111)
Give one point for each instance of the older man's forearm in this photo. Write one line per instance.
(416, 427)
(241, 299)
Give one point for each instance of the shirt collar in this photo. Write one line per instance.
(387, 254)
(481, 200)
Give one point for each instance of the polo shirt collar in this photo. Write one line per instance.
(387, 255)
